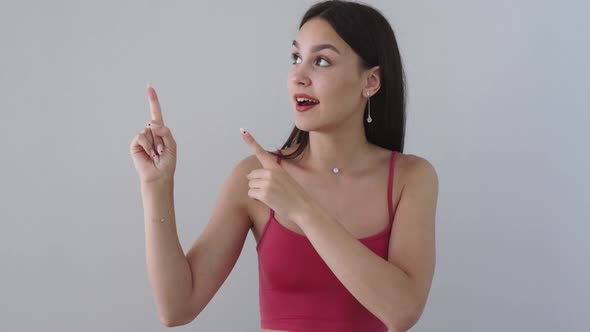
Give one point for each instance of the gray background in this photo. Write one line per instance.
(497, 102)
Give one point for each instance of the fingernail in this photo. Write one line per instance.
(153, 154)
(160, 148)
(243, 131)
(153, 125)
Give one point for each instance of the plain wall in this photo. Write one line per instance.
(497, 102)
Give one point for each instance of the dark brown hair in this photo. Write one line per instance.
(370, 35)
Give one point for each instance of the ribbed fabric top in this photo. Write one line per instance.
(299, 292)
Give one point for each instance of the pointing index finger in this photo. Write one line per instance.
(263, 156)
(154, 105)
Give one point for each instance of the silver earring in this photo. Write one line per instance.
(369, 120)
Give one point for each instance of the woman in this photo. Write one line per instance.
(322, 208)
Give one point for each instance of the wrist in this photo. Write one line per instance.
(306, 213)
(158, 184)
(158, 200)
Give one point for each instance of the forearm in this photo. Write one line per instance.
(381, 287)
(168, 270)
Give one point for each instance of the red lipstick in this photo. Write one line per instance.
(305, 105)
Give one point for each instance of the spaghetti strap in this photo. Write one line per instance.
(390, 186)
(272, 212)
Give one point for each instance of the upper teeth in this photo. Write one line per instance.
(300, 99)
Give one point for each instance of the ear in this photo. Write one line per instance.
(373, 81)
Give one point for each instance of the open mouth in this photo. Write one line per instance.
(306, 101)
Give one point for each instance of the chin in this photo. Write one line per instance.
(301, 125)
(304, 125)
(307, 125)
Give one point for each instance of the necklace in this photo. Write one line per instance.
(335, 170)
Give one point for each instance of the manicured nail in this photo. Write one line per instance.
(243, 131)
(160, 148)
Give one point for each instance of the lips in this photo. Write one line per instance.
(304, 108)
(304, 102)
(303, 95)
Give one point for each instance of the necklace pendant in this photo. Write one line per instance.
(335, 170)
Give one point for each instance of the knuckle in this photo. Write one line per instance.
(141, 137)
(146, 140)
(148, 136)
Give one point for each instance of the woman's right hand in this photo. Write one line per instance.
(153, 150)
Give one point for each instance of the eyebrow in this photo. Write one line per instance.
(319, 47)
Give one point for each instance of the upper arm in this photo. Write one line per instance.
(412, 241)
(216, 250)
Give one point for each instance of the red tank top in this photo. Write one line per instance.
(299, 292)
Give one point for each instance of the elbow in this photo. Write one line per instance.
(178, 316)
(402, 323)
(169, 322)
(174, 320)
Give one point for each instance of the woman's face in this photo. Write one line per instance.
(328, 70)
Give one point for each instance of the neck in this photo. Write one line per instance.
(345, 148)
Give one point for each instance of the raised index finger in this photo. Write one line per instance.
(154, 105)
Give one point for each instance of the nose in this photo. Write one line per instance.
(299, 76)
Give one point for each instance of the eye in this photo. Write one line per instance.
(295, 57)
(326, 61)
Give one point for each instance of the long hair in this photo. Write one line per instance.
(370, 35)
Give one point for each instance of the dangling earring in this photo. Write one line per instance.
(369, 120)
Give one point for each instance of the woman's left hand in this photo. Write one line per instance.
(273, 186)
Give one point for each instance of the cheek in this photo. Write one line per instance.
(346, 96)
(340, 90)
(289, 83)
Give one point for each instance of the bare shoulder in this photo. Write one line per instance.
(245, 166)
(241, 169)
(415, 168)
(234, 192)
(248, 164)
